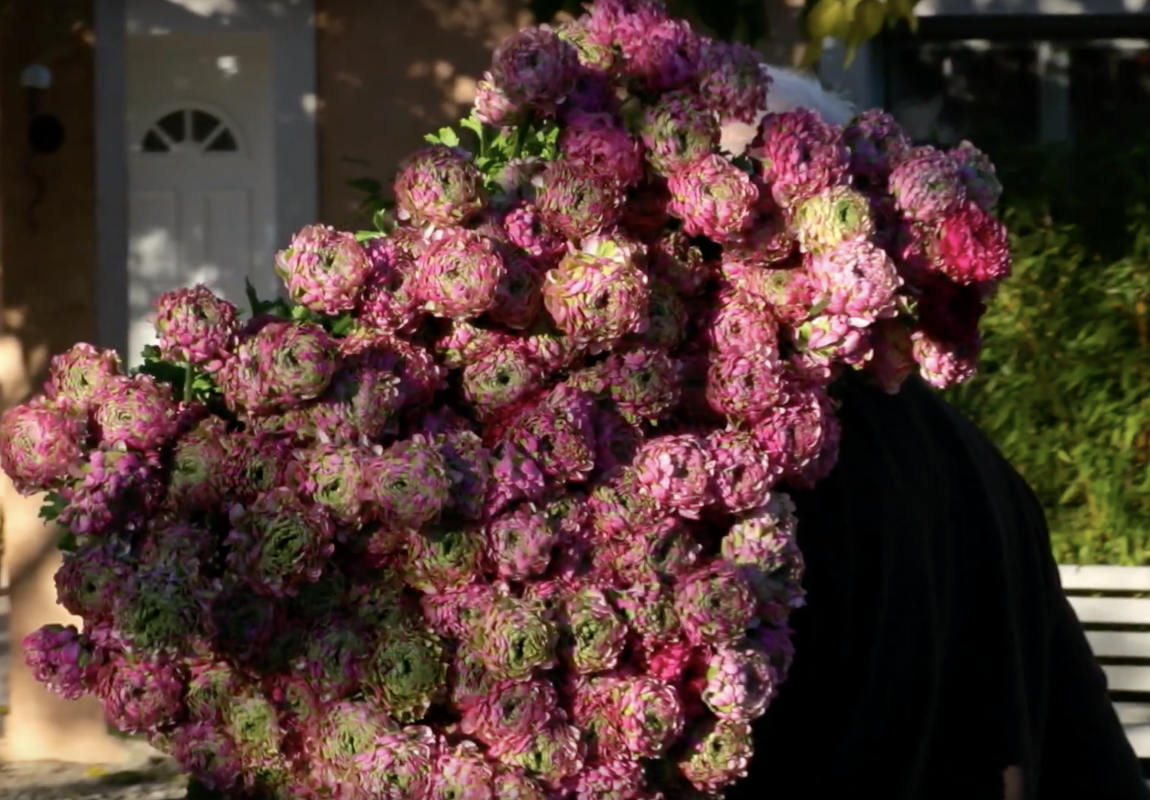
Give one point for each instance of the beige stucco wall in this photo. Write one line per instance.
(47, 302)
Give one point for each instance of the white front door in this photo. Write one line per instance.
(202, 180)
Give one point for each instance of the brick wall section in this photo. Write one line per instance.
(47, 300)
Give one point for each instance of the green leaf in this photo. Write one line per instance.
(448, 137)
(68, 543)
(343, 325)
(54, 504)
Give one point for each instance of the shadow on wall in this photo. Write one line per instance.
(47, 228)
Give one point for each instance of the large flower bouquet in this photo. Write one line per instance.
(491, 504)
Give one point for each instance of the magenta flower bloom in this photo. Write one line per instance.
(521, 543)
(535, 68)
(675, 470)
(277, 365)
(136, 413)
(768, 243)
(197, 479)
(408, 484)
(742, 323)
(324, 270)
(140, 695)
(459, 275)
(678, 130)
(500, 378)
(972, 246)
(445, 557)
(77, 375)
(596, 300)
(662, 56)
(514, 784)
(205, 749)
(40, 445)
(513, 638)
(550, 754)
(762, 545)
(740, 684)
(856, 279)
(515, 475)
(744, 386)
(113, 489)
(733, 81)
(462, 772)
(577, 201)
(742, 472)
(333, 477)
(713, 198)
(387, 302)
(196, 327)
(278, 542)
(526, 229)
(876, 142)
(830, 338)
(492, 106)
(643, 383)
(800, 155)
(651, 715)
(599, 143)
(401, 765)
(595, 632)
(407, 672)
(715, 604)
(617, 779)
(718, 756)
(943, 364)
(510, 709)
(978, 175)
(926, 184)
(830, 218)
(255, 463)
(62, 660)
(439, 185)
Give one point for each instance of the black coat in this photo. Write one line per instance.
(936, 648)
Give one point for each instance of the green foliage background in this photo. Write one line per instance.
(1063, 387)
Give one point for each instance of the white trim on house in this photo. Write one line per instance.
(291, 25)
(959, 8)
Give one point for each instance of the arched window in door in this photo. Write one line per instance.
(190, 130)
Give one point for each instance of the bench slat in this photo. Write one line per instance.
(1133, 714)
(1106, 578)
(1124, 644)
(1127, 679)
(1128, 610)
(1139, 738)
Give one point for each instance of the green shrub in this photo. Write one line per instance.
(1064, 388)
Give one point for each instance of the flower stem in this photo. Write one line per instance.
(189, 375)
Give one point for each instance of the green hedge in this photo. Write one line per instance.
(1064, 389)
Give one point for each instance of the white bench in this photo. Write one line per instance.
(1110, 623)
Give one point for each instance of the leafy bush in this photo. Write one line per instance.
(1064, 387)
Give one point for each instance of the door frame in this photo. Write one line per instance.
(294, 103)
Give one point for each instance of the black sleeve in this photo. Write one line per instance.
(1085, 753)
